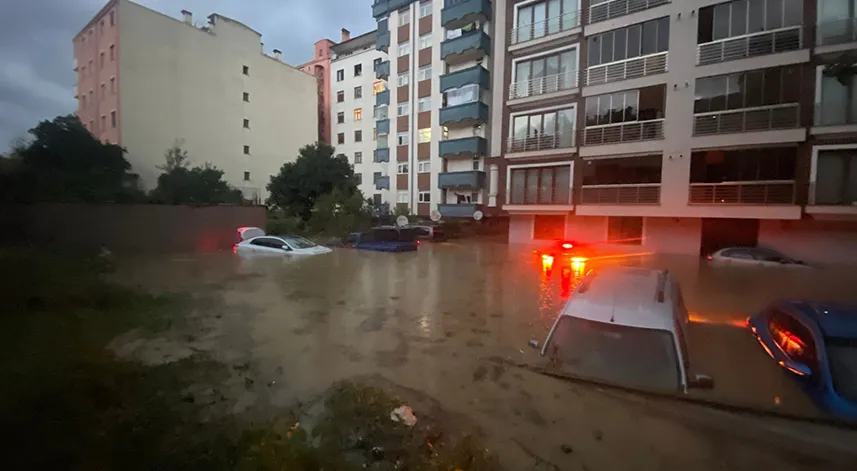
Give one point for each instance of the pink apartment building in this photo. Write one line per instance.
(319, 67)
(96, 53)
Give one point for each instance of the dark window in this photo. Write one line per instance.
(112, 18)
(246, 176)
(376, 198)
(269, 242)
(246, 97)
(540, 185)
(358, 70)
(621, 107)
(626, 43)
(644, 169)
(247, 123)
(358, 136)
(340, 138)
(716, 166)
(625, 230)
(340, 75)
(772, 86)
(340, 96)
(113, 119)
(359, 178)
(548, 227)
(548, 130)
(740, 17)
(247, 150)
(340, 117)
(246, 70)
(358, 92)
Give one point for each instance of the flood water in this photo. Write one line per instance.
(450, 319)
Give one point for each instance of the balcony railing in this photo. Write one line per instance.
(382, 70)
(468, 46)
(543, 85)
(541, 29)
(472, 179)
(462, 210)
(457, 13)
(382, 183)
(840, 114)
(463, 147)
(617, 8)
(640, 193)
(840, 31)
(618, 133)
(627, 69)
(381, 154)
(738, 193)
(382, 127)
(762, 118)
(561, 140)
(750, 45)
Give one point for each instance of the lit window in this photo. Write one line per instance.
(404, 16)
(425, 197)
(402, 196)
(424, 166)
(425, 41)
(377, 87)
(358, 114)
(425, 9)
(403, 79)
(402, 169)
(424, 104)
(404, 48)
(402, 138)
(424, 73)
(402, 109)
(424, 135)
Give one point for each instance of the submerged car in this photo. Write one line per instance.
(384, 239)
(816, 344)
(752, 256)
(433, 233)
(625, 326)
(254, 240)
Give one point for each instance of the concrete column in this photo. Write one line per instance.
(493, 183)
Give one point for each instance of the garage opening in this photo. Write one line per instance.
(548, 227)
(721, 233)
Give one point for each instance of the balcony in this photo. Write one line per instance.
(382, 183)
(467, 47)
(382, 70)
(627, 69)
(543, 85)
(773, 192)
(618, 8)
(544, 29)
(561, 140)
(466, 147)
(477, 75)
(381, 155)
(458, 13)
(643, 193)
(382, 127)
(750, 45)
(836, 32)
(619, 133)
(382, 98)
(384, 7)
(382, 41)
(468, 114)
(762, 118)
(468, 179)
(833, 117)
(381, 209)
(463, 210)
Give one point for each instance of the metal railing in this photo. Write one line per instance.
(561, 140)
(640, 193)
(760, 118)
(627, 69)
(541, 29)
(839, 114)
(617, 8)
(839, 31)
(750, 45)
(543, 85)
(756, 192)
(633, 131)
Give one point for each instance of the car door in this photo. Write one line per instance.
(797, 342)
(739, 257)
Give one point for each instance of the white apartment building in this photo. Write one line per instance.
(353, 90)
(148, 81)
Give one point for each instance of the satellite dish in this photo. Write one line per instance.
(435, 216)
(402, 221)
(478, 215)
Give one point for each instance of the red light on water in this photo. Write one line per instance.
(235, 248)
(783, 364)
(547, 262)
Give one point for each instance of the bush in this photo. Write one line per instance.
(279, 223)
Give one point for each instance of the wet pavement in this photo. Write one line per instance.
(451, 319)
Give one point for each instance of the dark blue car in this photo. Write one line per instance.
(383, 239)
(816, 344)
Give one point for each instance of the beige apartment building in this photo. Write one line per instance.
(148, 81)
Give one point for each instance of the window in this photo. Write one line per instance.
(377, 87)
(112, 52)
(83, 101)
(103, 90)
(83, 71)
(340, 96)
(539, 19)
(424, 41)
(112, 18)
(90, 97)
(381, 112)
(424, 166)
(246, 123)
(358, 136)
(424, 104)
(836, 177)
(340, 138)
(247, 97)
(246, 176)
(358, 157)
(402, 109)
(403, 79)
(424, 135)
(402, 196)
(402, 169)
(476, 163)
(547, 130)
(91, 126)
(737, 18)
(836, 100)
(404, 16)
(625, 230)
(425, 9)
(424, 197)
(562, 65)
(245, 70)
(340, 75)
(112, 85)
(340, 117)
(424, 73)
(636, 40)
(629, 170)
(754, 88)
(358, 114)
(404, 48)
(103, 122)
(113, 119)
(377, 61)
(548, 227)
(540, 185)
(101, 61)
(101, 27)
(359, 177)
(246, 150)
(402, 138)
(794, 339)
(358, 92)
(460, 96)
(91, 68)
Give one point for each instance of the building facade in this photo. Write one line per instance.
(148, 82)
(319, 67)
(679, 126)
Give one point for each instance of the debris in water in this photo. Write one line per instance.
(566, 448)
(377, 453)
(777, 400)
(598, 435)
(403, 414)
(534, 343)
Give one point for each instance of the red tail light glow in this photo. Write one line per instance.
(547, 262)
(710, 257)
(568, 245)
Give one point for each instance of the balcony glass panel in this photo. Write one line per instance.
(545, 74)
(541, 185)
(836, 178)
(630, 42)
(626, 116)
(838, 101)
(544, 19)
(750, 176)
(541, 131)
(467, 179)
(457, 11)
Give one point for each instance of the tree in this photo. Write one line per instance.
(315, 173)
(64, 162)
(180, 184)
(337, 213)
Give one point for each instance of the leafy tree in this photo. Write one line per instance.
(315, 173)
(337, 213)
(401, 210)
(180, 184)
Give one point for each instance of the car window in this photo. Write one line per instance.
(267, 242)
(351, 239)
(422, 231)
(742, 254)
(842, 356)
(794, 338)
(298, 242)
(767, 255)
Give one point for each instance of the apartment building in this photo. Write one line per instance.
(148, 81)
(319, 67)
(679, 126)
(354, 87)
(432, 118)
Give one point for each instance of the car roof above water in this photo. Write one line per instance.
(834, 319)
(624, 296)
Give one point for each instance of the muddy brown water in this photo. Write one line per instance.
(438, 321)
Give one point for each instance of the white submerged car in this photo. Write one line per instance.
(254, 240)
(752, 256)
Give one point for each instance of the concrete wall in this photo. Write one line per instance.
(127, 228)
(824, 242)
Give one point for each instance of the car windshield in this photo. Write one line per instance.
(297, 242)
(768, 255)
(619, 354)
(842, 355)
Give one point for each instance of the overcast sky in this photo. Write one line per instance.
(36, 77)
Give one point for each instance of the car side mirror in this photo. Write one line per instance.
(701, 382)
(286, 248)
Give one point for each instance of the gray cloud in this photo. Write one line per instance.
(36, 77)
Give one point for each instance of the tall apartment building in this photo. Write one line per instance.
(319, 67)
(354, 87)
(432, 121)
(147, 81)
(684, 126)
